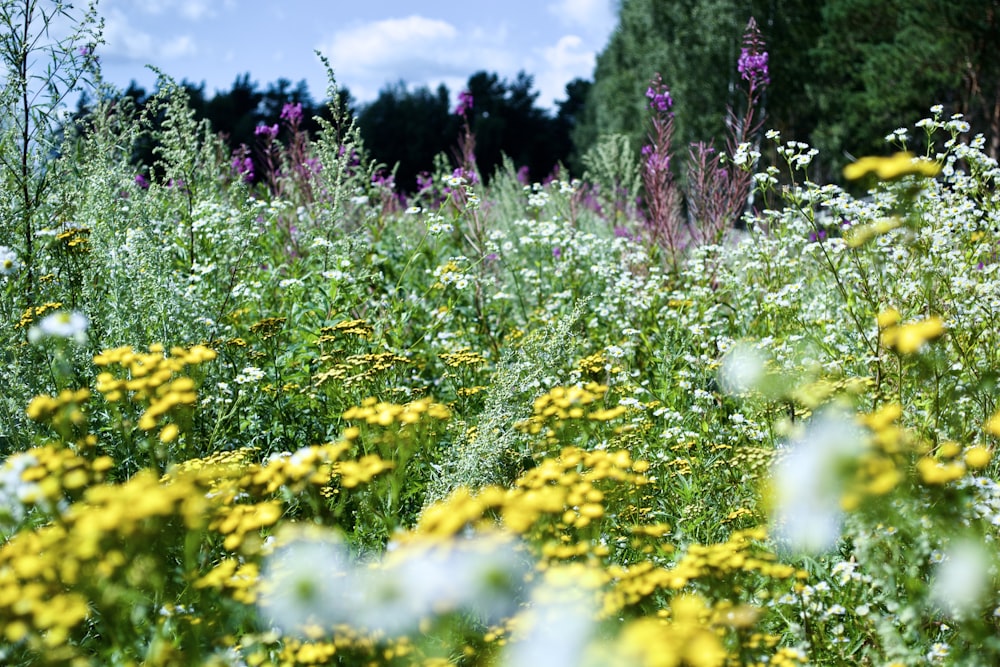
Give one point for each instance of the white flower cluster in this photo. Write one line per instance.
(310, 579)
(452, 274)
(249, 375)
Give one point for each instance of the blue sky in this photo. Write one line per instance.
(369, 43)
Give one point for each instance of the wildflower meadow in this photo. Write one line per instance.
(690, 409)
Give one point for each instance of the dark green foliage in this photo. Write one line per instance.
(408, 128)
(879, 61)
(693, 45)
(841, 70)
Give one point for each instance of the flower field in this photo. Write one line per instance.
(307, 421)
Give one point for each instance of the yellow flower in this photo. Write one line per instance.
(977, 457)
(888, 318)
(168, 433)
(993, 425)
(908, 338)
(891, 168)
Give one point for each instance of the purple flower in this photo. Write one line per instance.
(464, 103)
(654, 161)
(752, 64)
(659, 98)
(243, 166)
(424, 181)
(263, 130)
(292, 113)
(383, 178)
(141, 181)
(469, 175)
(312, 165)
(753, 67)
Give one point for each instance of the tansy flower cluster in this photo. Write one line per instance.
(151, 381)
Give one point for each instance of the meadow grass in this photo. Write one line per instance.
(303, 422)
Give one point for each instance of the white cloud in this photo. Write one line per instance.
(177, 47)
(124, 41)
(417, 50)
(372, 46)
(192, 10)
(566, 60)
(591, 14)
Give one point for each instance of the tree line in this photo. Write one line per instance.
(843, 73)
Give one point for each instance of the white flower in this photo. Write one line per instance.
(742, 369)
(961, 578)
(61, 324)
(308, 581)
(481, 575)
(8, 261)
(248, 375)
(561, 622)
(809, 482)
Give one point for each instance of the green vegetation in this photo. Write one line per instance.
(299, 421)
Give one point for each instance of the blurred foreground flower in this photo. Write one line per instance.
(810, 480)
(310, 584)
(962, 579)
(891, 168)
(61, 324)
(306, 582)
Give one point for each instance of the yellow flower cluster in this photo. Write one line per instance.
(359, 328)
(57, 473)
(235, 579)
(907, 338)
(76, 239)
(150, 380)
(737, 555)
(346, 373)
(565, 403)
(688, 637)
(462, 357)
(32, 313)
(373, 411)
(892, 167)
(54, 577)
(859, 235)
(267, 328)
(362, 471)
(561, 493)
(60, 411)
(593, 363)
(882, 468)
